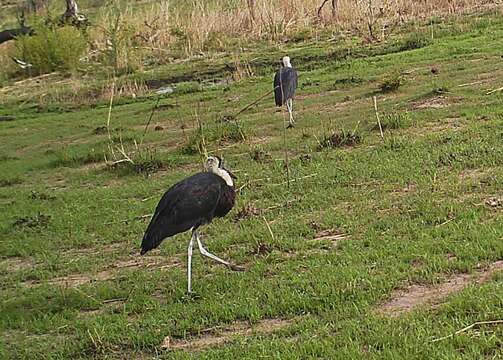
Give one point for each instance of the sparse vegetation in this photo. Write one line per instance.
(37, 221)
(221, 132)
(260, 155)
(415, 41)
(340, 138)
(395, 120)
(391, 83)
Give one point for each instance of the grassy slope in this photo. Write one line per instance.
(413, 206)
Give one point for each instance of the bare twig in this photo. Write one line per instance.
(334, 7)
(287, 203)
(285, 142)
(296, 179)
(268, 228)
(321, 7)
(495, 90)
(110, 110)
(287, 164)
(471, 83)
(377, 117)
(492, 322)
(146, 216)
(201, 132)
(150, 119)
(253, 103)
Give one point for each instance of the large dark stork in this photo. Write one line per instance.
(190, 203)
(285, 84)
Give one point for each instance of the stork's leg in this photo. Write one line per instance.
(206, 253)
(289, 106)
(189, 263)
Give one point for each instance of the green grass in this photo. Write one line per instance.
(413, 208)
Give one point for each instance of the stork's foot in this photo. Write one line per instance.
(290, 126)
(234, 267)
(191, 296)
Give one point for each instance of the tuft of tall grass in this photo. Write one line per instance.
(342, 138)
(221, 132)
(128, 37)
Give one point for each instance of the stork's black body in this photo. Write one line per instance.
(192, 202)
(285, 84)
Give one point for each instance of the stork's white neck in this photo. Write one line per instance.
(224, 175)
(286, 63)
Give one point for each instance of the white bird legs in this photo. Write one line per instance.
(289, 106)
(204, 252)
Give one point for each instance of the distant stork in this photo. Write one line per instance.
(285, 83)
(190, 203)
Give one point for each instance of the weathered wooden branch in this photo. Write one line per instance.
(71, 16)
(251, 9)
(334, 7)
(11, 34)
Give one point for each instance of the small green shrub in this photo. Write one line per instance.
(52, 48)
(221, 132)
(341, 138)
(188, 88)
(75, 157)
(37, 221)
(144, 161)
(415, 41)
(392, 83)
(10, 182)
(260, 155)
(440, 90)
(395, 121)
(394, 143)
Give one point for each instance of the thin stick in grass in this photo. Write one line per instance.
(492, 322)
(268, 228)
(202, 145)
(377, 117)
(252, 103)
(287, 162)
(285, 142)
(110, 141)
(150, 119)
(110, 110)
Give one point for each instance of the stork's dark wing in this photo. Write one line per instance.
(187, 204)
(285, 84)
(277, 89)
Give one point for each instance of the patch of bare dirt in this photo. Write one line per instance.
(453, 124)
(436, 102)
(474, 174)
(220, 335)
(147, 262)
(112, 272)
(17, 263)
(72, 280)
(108, 249)
(406, 300)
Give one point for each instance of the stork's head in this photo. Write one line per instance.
(215, 164)
(286, 61)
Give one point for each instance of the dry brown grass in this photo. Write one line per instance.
(159, 29)
(126, 39)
